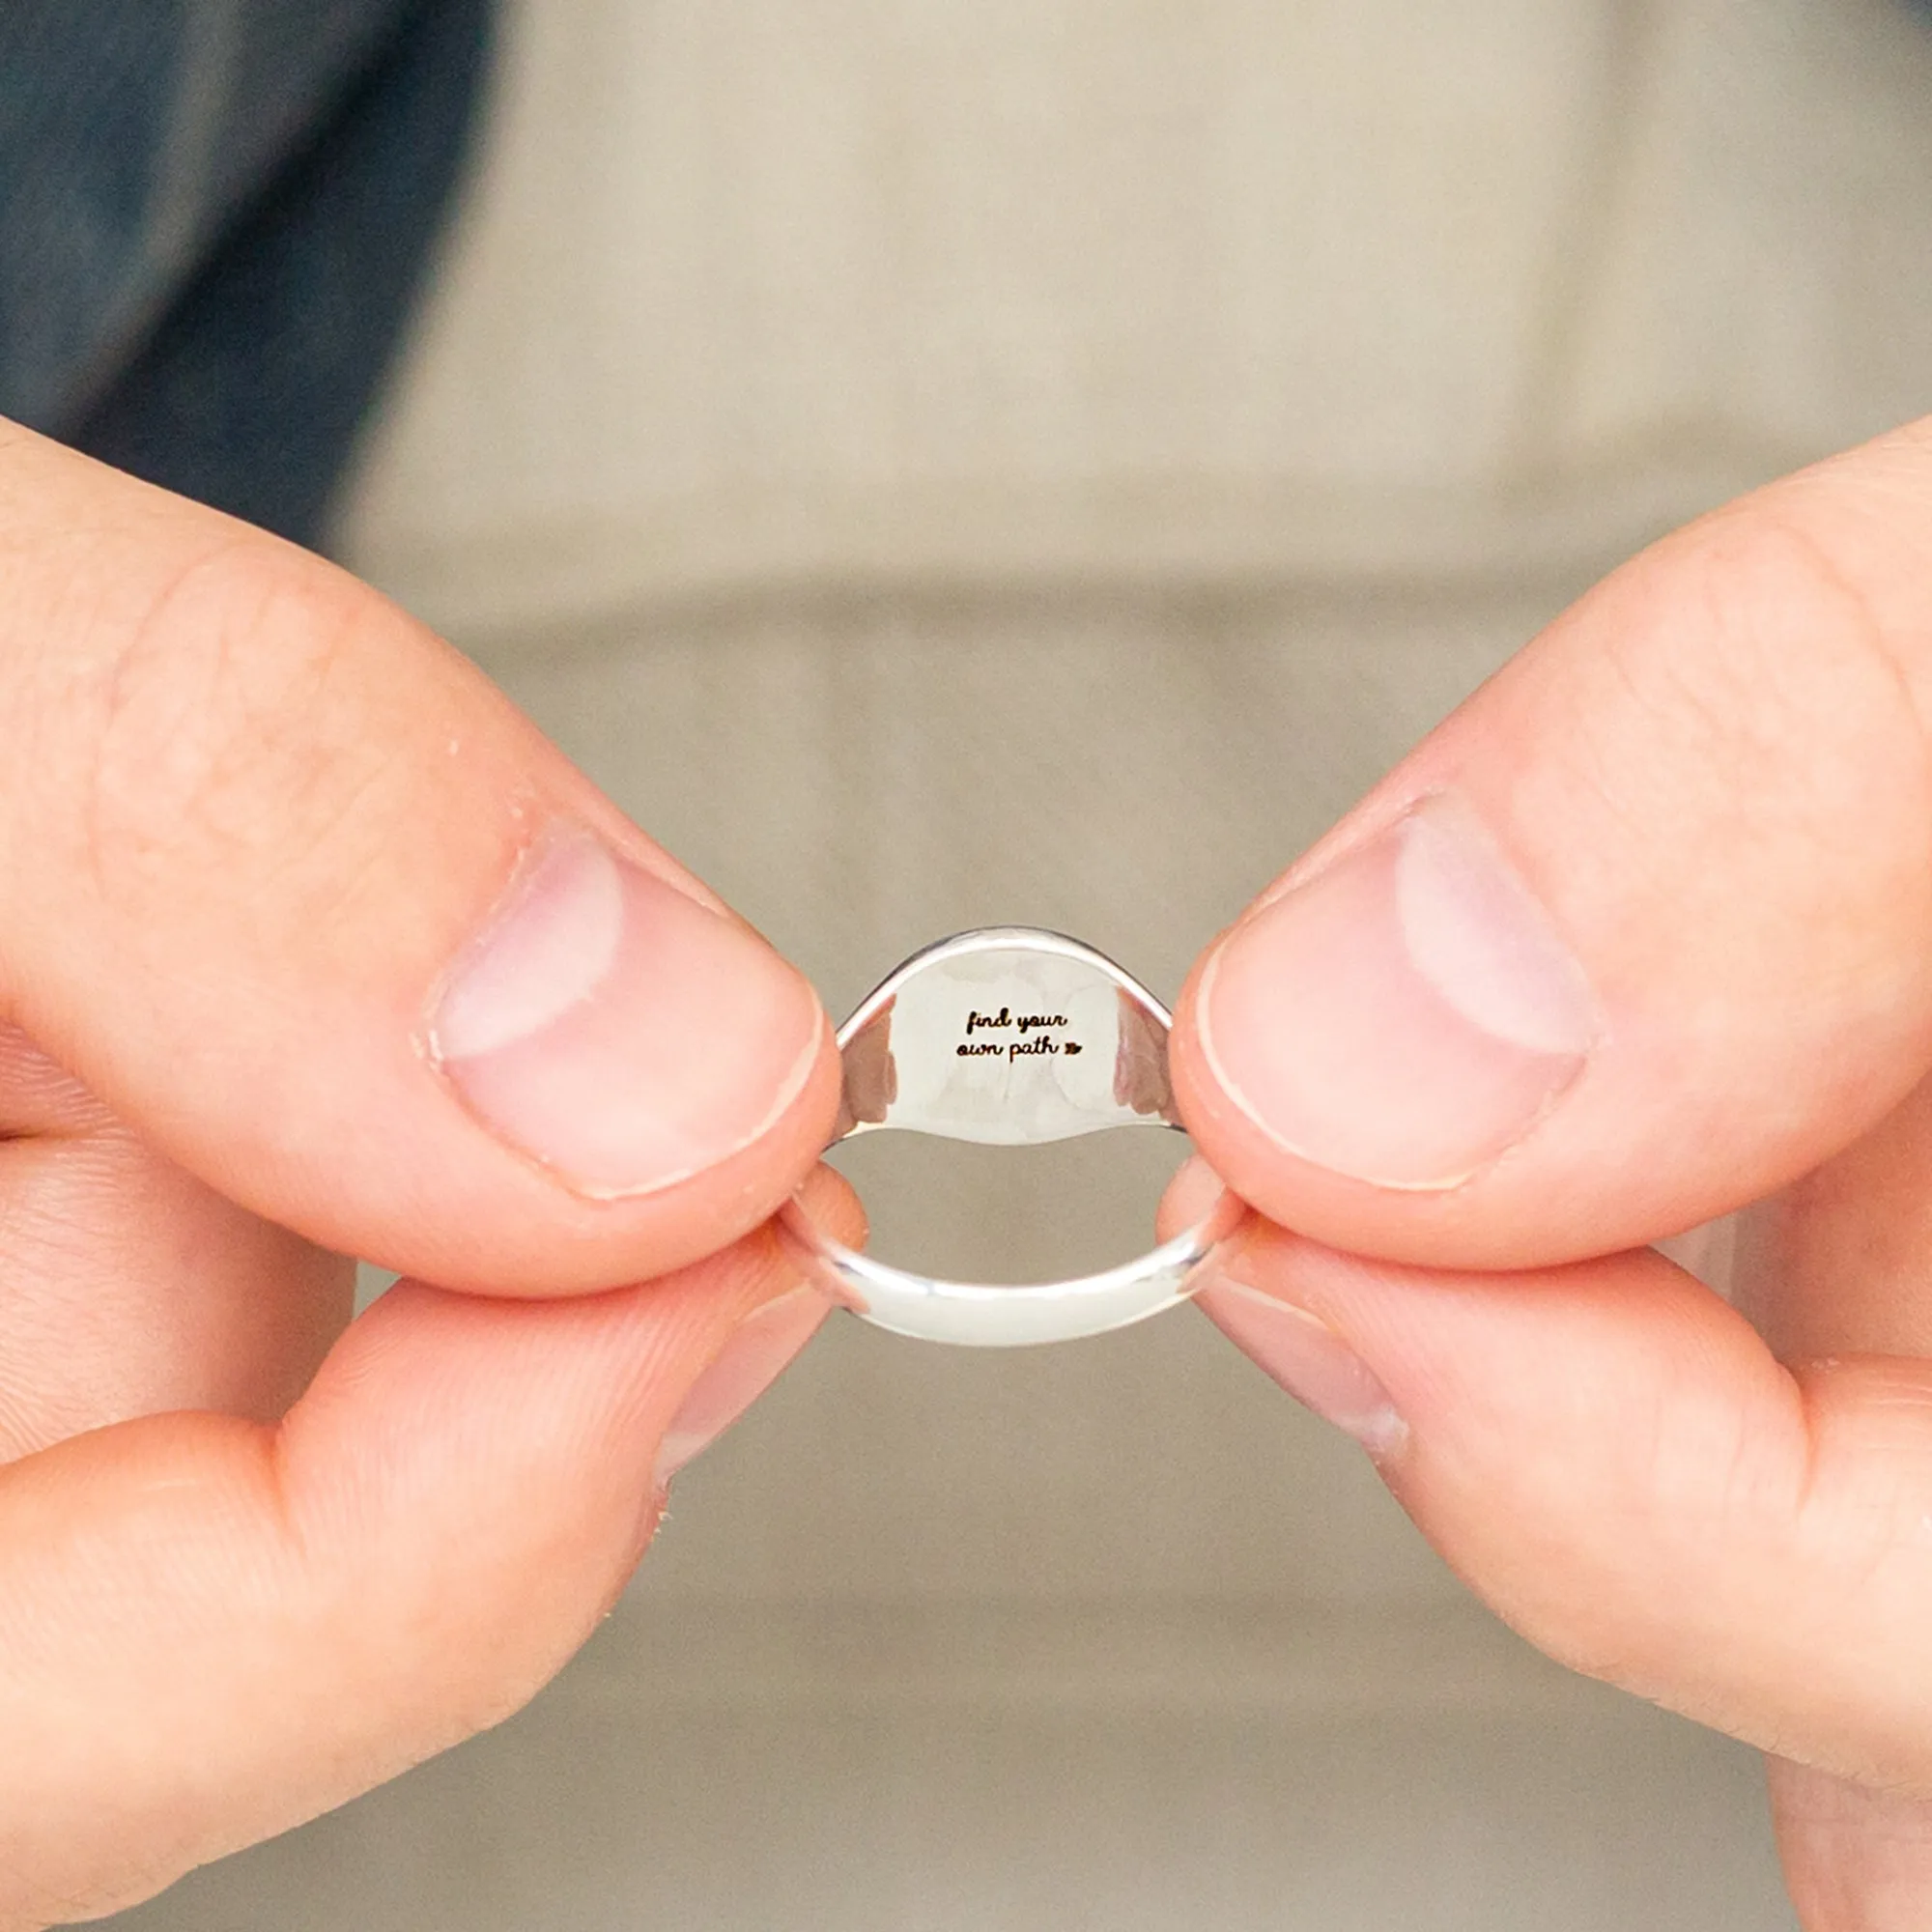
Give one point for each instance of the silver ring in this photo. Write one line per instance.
(1011, 1037)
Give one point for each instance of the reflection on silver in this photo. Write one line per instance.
(1011, 1037)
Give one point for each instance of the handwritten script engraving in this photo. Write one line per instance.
(1034, 1036)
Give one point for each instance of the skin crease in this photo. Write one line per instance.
(1713, 778)
(250, 852)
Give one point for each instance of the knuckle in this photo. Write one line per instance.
(227, 733)
(1744, 665)
(1734, 692)
(1633, 1566)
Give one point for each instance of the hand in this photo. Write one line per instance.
(1642, 935)
(303, 929)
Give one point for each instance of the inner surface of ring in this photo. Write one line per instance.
(1017, 1217)
(1009, 1037)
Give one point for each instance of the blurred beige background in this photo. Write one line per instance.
(1036, 460)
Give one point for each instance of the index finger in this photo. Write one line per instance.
(212, 1629)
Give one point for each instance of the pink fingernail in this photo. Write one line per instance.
(1406, 1014)
(1313, 1363)
(747, 1365)
(618, 1031)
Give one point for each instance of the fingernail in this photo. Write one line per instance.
(1313, 1363)
(615, 1029)
(1403, 1016)
(747, 1366)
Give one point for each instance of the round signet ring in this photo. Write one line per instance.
(1010, 1037)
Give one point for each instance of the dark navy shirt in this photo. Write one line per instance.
(213, 214)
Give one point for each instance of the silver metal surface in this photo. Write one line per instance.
(1011, 1037)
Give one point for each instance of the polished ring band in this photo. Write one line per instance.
(1011, 1037)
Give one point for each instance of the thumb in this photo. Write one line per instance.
(1638, 935)
(307, 903)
